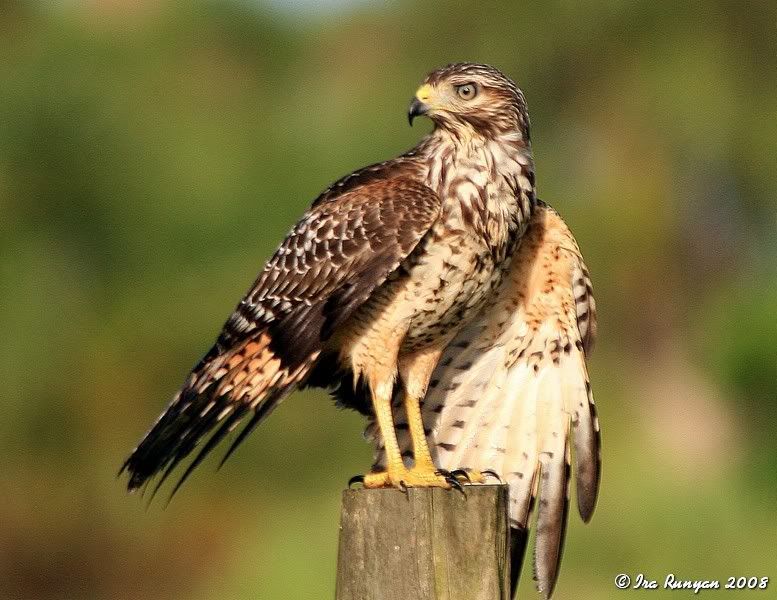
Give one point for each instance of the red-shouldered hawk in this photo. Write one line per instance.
(420, 269)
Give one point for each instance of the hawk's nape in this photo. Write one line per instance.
(511, 393)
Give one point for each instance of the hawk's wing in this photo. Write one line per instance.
(511, 392)
(353, 237)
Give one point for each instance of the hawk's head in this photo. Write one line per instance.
(471, 95)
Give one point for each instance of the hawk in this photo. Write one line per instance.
(436, 294)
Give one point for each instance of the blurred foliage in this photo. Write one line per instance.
(152, 154)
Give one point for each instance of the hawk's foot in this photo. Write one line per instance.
(471, 476)
(404, 478)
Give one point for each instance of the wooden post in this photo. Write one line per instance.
(426, 544)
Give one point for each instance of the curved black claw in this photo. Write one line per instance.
(453, 482)
(493, 474)
(355, 479)
(463, 473)
(403, 487)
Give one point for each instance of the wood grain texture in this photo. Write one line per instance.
(426, 544)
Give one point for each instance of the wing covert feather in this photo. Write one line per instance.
(333, 259)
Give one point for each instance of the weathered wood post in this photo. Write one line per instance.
(426, 544)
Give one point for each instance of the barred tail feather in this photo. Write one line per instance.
(520, 463)
(459, 401)
(216, 398)
(579, 402)
(553, 472)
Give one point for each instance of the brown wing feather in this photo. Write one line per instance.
(344, 247)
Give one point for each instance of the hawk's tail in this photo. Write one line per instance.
(248, 381)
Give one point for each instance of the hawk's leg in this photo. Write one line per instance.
(396, 474)
(422, 456)
(395, 467)
(415, 371)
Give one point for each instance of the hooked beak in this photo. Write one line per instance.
(416, 108)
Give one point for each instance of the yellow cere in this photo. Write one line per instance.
(424, 92)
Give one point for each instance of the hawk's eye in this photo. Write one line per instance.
(467, 91)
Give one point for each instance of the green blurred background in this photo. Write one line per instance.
(152, 155)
